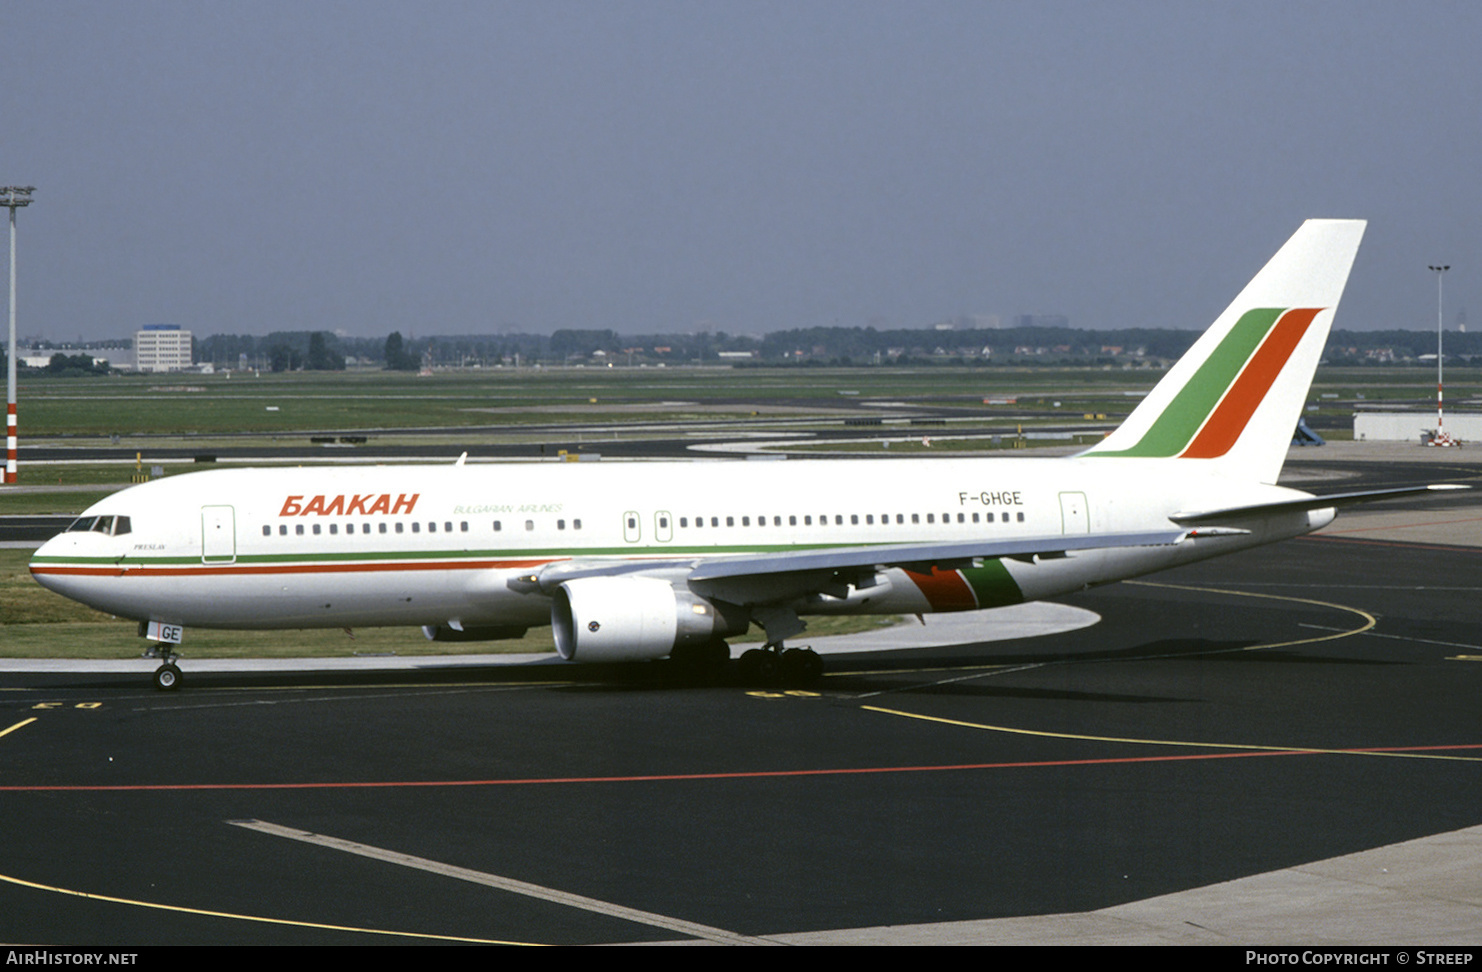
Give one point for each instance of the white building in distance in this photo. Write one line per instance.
(162, 347)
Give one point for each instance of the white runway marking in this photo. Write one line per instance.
(717, 935)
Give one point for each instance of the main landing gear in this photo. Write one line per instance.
(768, 667)
(167, 676)
(776, 665)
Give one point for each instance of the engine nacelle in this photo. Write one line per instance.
(634, 619)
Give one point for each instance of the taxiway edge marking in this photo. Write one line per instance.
(182, 909)
(19, 725)
(1401, 752)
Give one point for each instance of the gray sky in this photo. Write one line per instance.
(442, 167)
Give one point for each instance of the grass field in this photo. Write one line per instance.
(141, 407)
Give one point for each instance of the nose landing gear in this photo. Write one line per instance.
(167, 677)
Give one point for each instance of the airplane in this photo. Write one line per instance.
(653, 560)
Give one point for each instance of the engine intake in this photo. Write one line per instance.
(635, 619)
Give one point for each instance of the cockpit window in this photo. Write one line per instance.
(113, 526)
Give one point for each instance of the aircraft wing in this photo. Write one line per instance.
(1331, 501)
(765, 577)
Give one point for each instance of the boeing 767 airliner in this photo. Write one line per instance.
(640, 561)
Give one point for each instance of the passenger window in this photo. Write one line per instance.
(529, 524)
(298, 529)
(576, 524)
(267, 531)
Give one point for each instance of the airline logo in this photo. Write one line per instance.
(1206, 417)
(368, 504)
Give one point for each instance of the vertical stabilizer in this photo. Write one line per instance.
(1237, 394)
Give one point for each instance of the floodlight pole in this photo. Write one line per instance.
(1440, 438)
(12, 198)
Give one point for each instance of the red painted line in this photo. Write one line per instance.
(756, 774)
(1232, 414)
(235, 569)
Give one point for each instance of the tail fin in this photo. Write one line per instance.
(1237, 394)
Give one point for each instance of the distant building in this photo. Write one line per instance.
(162, 347)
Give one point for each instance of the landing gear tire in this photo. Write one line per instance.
(759, 667)
(800, 668)
(167, 678)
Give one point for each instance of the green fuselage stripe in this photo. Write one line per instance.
(374, 556)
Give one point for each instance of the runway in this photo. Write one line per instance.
(1268, 748)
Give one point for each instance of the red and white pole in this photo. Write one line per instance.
(11, 462)
(1440, 437)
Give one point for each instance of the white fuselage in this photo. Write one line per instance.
(434, 545)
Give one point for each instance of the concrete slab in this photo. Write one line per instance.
(1421, 892)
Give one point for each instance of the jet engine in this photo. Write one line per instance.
(635, 619)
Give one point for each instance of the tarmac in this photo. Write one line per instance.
(1424, 891)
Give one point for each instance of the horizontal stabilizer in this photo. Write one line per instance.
(1331, 501)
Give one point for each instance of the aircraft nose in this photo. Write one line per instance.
(46, 555)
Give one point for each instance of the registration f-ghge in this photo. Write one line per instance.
(637, 561)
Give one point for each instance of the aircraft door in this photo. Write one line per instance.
(663, 526)
(218, 535)
(632, 529)
(1075, 517)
